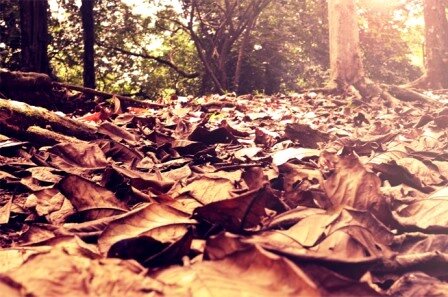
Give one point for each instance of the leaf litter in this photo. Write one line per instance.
(304, 195)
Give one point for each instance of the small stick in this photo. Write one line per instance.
(128, 100)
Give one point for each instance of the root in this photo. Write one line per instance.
(329, 90)
(424, 82)
(407, 95)
(368, 90)
(391, 94)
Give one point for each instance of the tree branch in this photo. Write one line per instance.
(155, 58)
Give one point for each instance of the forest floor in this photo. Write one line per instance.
(304, 195)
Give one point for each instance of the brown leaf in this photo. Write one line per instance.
(306, 135)
(247, 152)
(428, 215)
(117, 133)
(11, 258)
(150, 252)
(283, 156)
(293, 216)
(162, 223)
(45, 174)
(119, 152)
(85, 155)
(56, 274)
(10, 288)
(352, 185)
(418, 168)
(351, 242)
(252, 272)
(212, 187)
(88, 196)
(242, 213)
(265, 137)
(415, 243)
(310, 229)
(219, 135)
(418, 284)
(137, 179)
(5, 212)
(45, 201)
(337, 285)
(254, 177)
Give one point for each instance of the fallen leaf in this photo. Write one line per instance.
(87, 196)
(5, 212)
(161, 222)
(352, 185)
(209, 188)
(283, 156)
(253, 272)
(56, 274)
(242, 213)
(307, 136)
(85, 155)
(418, 284)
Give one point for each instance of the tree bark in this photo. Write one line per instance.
(346, 66)
(88, 25)
(436, 46)
(240, 58)
(43, 136)
(34, 36)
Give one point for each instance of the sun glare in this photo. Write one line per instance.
(382, 4)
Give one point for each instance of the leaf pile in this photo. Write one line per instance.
(307, 195)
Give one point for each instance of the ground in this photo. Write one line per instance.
(301, 195)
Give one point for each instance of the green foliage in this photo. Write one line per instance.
(119, 25)
(386, 53)
(290, 47)
(9, 34)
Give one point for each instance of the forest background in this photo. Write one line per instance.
(145, 48)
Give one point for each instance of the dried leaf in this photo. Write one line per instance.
(56, 274)
(352, 185)
(210, 188)
(242, 213)
(162, 223)
(253, 272)
(5, 212)
(84, 194)
(283, 156)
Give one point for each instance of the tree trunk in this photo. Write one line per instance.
(345, 52)
(34, 36)
(346, 67)
(89, 41)
(240, 58)
(436, 49)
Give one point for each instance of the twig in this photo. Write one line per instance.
(125, 99)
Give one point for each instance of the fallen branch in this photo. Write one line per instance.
(46, 137)
(126, 100)
(17, 117)
(39, 89)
